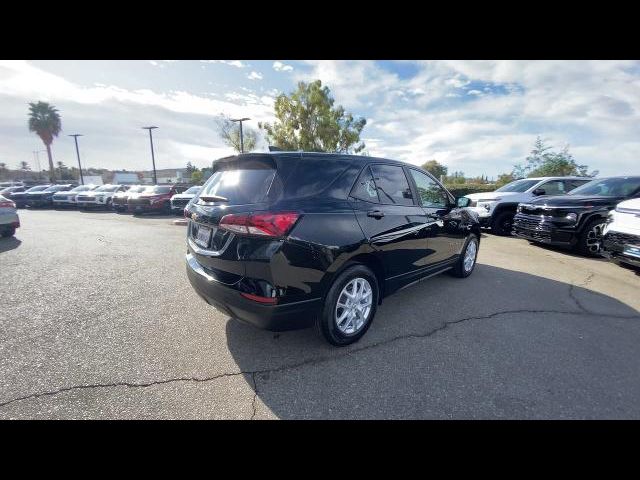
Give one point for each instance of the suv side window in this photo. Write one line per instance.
(365, 187)
(571, 184)
(431, 194)
(392, 185)
(553, 187)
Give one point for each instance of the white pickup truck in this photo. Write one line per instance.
(497, 209)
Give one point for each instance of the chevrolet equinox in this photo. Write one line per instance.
(287, 240)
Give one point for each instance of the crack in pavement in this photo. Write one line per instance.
(582, 285)
(310, 361)
(255, 395)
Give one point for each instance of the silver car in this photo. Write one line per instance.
(9, 219)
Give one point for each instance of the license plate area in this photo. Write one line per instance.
(631, 250)
(202, 235)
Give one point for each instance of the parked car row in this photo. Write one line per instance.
(595, 217)
(136, 199)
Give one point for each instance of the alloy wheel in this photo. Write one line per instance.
(594, 238)
(470, 256)
(353, 308)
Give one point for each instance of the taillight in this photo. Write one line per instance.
(265, 224)
(259, 299)
(7, 204)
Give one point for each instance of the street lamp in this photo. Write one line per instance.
(75, 137)
(153, 159)
(241, 138)
(36, 156)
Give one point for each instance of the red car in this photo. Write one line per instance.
(155, 199)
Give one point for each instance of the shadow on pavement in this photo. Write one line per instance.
(10, 243)
(500, 344)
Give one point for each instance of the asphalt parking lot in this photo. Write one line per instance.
(98, 320)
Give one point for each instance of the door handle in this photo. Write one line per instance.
(375, 213)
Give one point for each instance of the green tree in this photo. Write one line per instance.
(196, 177)
(307, 120)
(191, 168)
(543, 162)
(3, 169)
(230, 133)
(45, 121)
(24, 166)
(435, 168)
(505, 178)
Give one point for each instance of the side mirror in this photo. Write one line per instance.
(539, 191)
(462, 202)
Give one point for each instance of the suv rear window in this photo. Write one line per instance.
(241, 182)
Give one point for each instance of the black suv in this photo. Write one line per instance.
(288, 240)
(576, 219)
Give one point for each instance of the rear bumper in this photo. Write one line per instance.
(9, 220)
(280, 317)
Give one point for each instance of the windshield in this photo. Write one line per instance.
(137, 189)
(56, 188)
(107, 188)
(609, 187)
(518, 186)
(193, 190)
(81, 188)
(39, 188)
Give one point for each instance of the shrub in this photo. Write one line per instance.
(460, 190)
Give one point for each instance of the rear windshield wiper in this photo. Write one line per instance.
(213, 198)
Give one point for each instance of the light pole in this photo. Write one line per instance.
(75, 137)
(36, 156)
(153, 158)
(241, 138)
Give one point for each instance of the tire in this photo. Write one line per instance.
(338, 333)
(590, 239)
(503, 223)
(9, 232)
(460, 269)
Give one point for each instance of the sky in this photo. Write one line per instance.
(478, 117)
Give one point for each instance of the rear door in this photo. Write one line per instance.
(391, 220)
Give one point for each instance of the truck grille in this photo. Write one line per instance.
(612, 238)
(532, 227)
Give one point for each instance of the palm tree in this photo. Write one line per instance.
(44, 120)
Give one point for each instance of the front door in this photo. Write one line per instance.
(392, 221)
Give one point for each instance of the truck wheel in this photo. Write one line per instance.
(590, 240)
(503, 223)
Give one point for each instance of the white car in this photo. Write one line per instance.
(180, 200)
(9, 219)
(100, 197)
(497, 209)
(621, 234)
(68, 198)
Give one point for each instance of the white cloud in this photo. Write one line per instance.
(281, 67)
(232, 63)
(254, 76)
